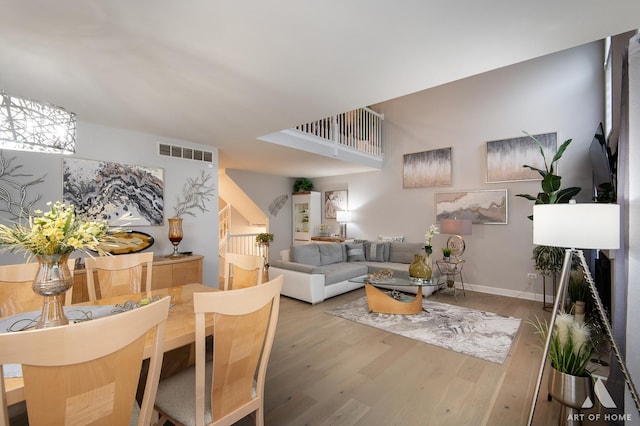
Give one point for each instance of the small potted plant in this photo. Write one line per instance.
(578, 293)
(446, 253)
(303, 184)
(263, 240)
(570, 351)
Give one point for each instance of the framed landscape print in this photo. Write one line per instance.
(489, 207)
(335, 201)
(103, 190)
(505, 158)
(427, 168)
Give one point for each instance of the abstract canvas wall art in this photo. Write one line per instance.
(506, 157)
(427, 168)
(104, 190)
(489, 207)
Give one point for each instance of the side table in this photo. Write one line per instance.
(447, 279)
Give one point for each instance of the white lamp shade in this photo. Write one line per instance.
(455, 226)
(343, 216)
(584, 226)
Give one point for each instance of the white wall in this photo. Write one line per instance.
(557, 93)
(632, 355)
(104, 143)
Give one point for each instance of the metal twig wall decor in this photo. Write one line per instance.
(14, 186)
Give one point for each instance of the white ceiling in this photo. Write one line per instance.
(225, 72)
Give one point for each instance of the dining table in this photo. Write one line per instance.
(180, 326)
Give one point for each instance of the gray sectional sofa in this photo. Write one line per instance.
(317, 271)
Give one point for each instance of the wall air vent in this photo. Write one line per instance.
(183, 152)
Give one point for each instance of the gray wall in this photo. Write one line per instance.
(104, 143)
(560, 93)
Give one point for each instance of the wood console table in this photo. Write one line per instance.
(168, 271)
(327, 239)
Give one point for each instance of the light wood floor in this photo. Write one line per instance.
(325, 370)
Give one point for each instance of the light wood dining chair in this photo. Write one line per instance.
(242, 270)
(87, 373)
(118, 275)
(16, 294)
(231, 386)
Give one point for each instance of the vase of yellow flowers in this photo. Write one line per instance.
(51, 237)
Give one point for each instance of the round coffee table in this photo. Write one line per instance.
(382, 302)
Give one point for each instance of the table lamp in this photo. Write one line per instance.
(457, 228)
(343, 217)
(588, 226)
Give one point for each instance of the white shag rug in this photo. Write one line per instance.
(484, 335)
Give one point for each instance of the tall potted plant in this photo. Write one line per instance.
(552, 193)
(548, 260)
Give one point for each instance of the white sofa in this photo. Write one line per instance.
(315, 272)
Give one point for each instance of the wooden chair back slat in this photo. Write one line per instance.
(242, 271)
(118, 275)
(87, 373)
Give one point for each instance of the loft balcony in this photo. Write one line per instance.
(353, 136)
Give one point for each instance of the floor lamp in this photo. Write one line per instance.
(589, 226)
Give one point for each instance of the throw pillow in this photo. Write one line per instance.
(403, 252)
(375, 251)
(355, 252)
(330, 253)
(398, 239)
(309, 254)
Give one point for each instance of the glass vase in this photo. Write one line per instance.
(428, 263)
(52, 281)
(175, 233)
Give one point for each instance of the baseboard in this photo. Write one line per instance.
(537, 297)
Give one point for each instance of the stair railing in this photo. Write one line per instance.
(244, 244)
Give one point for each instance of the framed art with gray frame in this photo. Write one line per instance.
(506, 157)
(484, 206)
(427, 168)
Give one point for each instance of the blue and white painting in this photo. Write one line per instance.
(103, 190)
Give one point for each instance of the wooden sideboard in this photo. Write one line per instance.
(168, 271)
(327, 240)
